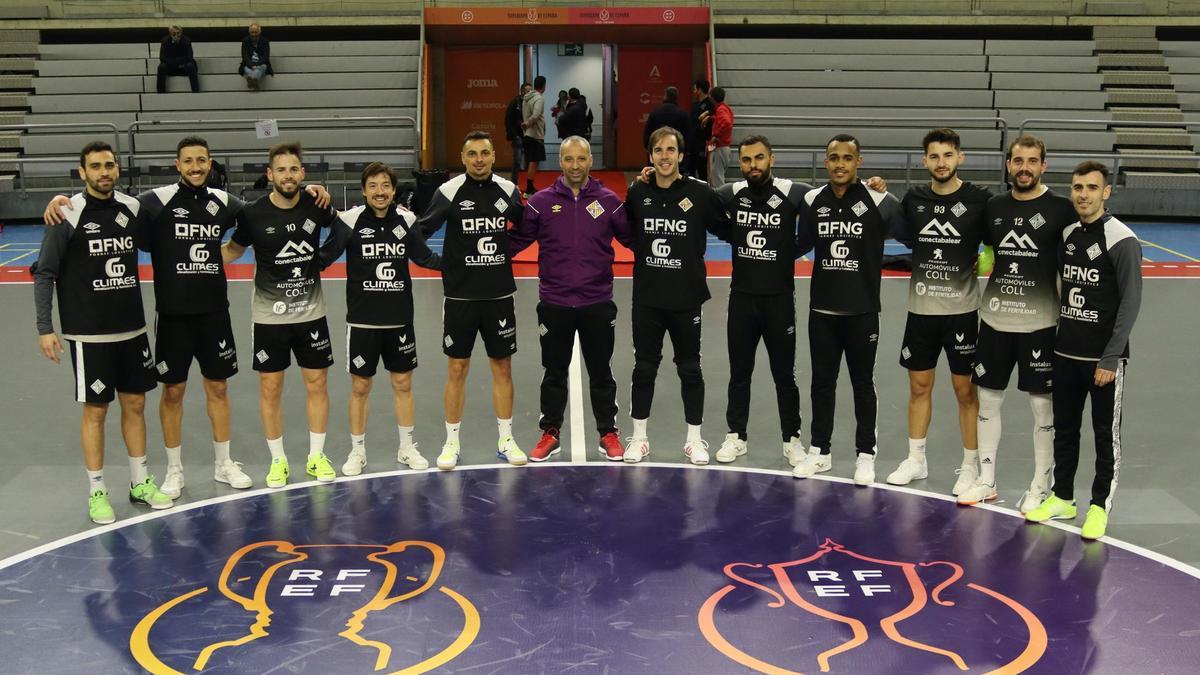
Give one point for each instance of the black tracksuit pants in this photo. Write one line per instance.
(771, 319)
(830, 336)
(595, 326)
(650, 325)
(1074, 383)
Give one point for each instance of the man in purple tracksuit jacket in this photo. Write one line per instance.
(574, 222)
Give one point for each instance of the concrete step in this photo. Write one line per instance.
(1162, 159)
(19, 82)
(1147, 115)
(1111, 45)
(1103, 32)
(1162, 180)
(10, 141)
(1137, 78)
(1142, 97)
(1153, 137)
(1132, 61)
(16, 64)
(20, 101)
(18, 48)
(12, 118)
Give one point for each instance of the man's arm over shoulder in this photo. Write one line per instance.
(435, 214)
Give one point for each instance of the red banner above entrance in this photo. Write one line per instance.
(575, 16)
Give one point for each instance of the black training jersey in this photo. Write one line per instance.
(476, 264)
(669, 226)
(847, 236)
(92, 258)
(1101, 291)
(763, 234)
(378, 285)
(1022, 293)
(287, 272)
(184, 228)
(944, 232)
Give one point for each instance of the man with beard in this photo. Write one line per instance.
(670, 217)
(477, 280)
(1019, 313)
(762, 298)
(185, 223)
(1102, 293)
(90, 260)
(288, 307)
(575, 220)
(944, 226)
(846, 223)
(379, 240)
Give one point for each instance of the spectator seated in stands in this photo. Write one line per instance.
(256, 57)
(175, 58)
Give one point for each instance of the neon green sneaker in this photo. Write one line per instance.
(99, 510)
(146, 492)
(321, 468)
(277, 475)
(1095, 523)
(1052, 508)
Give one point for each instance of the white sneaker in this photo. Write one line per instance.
(697, 452)
(908, 471)
(508, 450)
(967, 475)
(731, 448)
(408, 454)
(355, 461)
(864, 469)
(230, 473)
(813, 464)
(449, 457)
(1033, 497)
(637, 450)
(979, 492)
(794, 451)
(172, 483)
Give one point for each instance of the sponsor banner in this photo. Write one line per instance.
(549, 16)
(645, 73)
(480, 82)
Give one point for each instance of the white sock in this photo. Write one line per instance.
(96, 482)
(316, 444)
(137, 470)
(221, 451)
(916, 449)
(639, 429)
(276, 447)
(505, 427)
(452, 432)
(1043, 438)
(990, 402)
(405, 436)
(693, 433)
(970, 457)
(174, 457)
(358, 442)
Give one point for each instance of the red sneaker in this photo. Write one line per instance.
(610, 445)
(547, 447)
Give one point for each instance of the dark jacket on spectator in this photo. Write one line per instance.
(575, 120)
(176, 53)
(666, 115)
(512, 119)
(264, 54)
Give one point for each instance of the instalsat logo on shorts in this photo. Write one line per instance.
(870, 599)
(275, 599)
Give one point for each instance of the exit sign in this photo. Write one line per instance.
(571, 49)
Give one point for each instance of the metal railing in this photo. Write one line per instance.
(21, 162)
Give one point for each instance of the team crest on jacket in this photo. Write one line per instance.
(500, 204)
(958, 209)
(685, 204)
(1037, 220)
(774, 201)
(122, 219)
(212, 208)
(595, 209)
(859, 209)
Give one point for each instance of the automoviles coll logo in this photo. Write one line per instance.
(835, 582)
(271, 581)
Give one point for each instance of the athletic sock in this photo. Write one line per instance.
(221, 451)
(316, 444)
(137, 470)
(916, 449)
(990, 403)
(405, 435)
(693, 433)
(452, 431)
(276, 447)
(174, 456)
(639, 429)
(505, 427)
(358, 442)
(529, 186)
(1043, 437)
(96, 481)
(970, 457)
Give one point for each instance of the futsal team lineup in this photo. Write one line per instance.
(1023, 281)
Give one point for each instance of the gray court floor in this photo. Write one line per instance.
(42, 489)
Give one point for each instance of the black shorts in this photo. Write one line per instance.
(1032, 353)
(206, 337)
(535, 149)
(494, 320)
(927, 335)
(104, 368)
(275, 342)
(366, 346)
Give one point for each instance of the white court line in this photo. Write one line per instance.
(575, 396)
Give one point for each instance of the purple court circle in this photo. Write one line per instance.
(593, 568)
